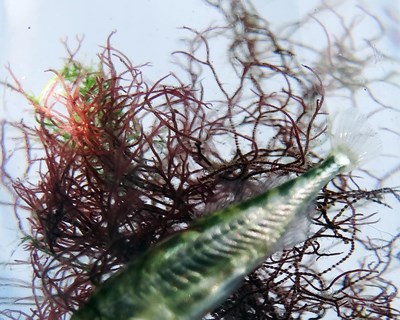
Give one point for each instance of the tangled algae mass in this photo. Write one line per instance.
(124, 162)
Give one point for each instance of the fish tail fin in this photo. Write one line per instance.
(353, 138)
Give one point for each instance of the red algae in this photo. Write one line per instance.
(127, 162)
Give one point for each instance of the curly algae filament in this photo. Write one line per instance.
(193, 271)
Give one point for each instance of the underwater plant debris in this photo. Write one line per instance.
(193, 271)
(126, 163)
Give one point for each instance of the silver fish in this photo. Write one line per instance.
(193, 271)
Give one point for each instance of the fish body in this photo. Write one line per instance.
(195, 270)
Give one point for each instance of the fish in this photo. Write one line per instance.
(193, 271)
